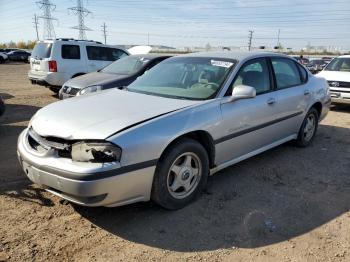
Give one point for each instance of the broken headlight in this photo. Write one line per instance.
(98, 152)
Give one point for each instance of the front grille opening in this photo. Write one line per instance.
(71, 90)
(35, 145)
(67, 153)
(43, 144)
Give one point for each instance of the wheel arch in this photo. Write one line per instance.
(202, 137)
(318, 106)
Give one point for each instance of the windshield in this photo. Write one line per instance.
(195, 78)
(42, 50)
(126, 65)
(339, 64)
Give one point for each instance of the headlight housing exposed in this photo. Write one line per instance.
(98, 152)
(89, 89)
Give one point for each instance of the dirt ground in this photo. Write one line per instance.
(287, 204)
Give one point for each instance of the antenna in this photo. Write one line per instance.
(47, 7)
(250, 37)
(81, 12)
(104, 32)
(36, 22)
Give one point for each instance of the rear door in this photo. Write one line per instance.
(71, 61)
(248, 124)
(292, 92)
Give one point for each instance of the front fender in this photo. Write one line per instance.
(148, 140)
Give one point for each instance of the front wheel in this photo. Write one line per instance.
(54, 89)
(308, 128)
(181, 174)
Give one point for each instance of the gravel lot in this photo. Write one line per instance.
(288, 204)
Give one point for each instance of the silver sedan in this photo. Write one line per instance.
(185, 119)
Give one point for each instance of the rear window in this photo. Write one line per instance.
(104, 53)
(42, 50)
(70, 52)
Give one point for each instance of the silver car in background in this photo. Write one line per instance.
(187, 118)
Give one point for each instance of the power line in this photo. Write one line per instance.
(250, 37)
(36, 22)
(104, 32)
(47, 7)
(81, 12)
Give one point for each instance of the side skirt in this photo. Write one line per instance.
(253, 153)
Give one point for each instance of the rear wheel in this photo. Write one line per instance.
(181, 174)
(308, 128)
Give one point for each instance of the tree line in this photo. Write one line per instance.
(20, 44)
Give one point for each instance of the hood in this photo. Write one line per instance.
(335, 76)
(95, 78)
(100, 115)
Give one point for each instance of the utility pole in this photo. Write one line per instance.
(250, 37)
(104, 32)
(81, 12)
(35, 22)
(47, 7)
(278, 38)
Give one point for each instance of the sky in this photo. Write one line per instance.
(188, 23)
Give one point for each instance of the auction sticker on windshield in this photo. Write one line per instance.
(221, 63)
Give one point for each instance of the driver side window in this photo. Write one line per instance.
(254, 73)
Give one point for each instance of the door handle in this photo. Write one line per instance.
(306, 92)
(271, 101)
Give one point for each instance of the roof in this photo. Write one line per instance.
(235, 55)
(344, 56)
(151, 56)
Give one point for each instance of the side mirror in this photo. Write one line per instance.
(242, 92)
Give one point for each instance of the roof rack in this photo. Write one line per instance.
(78, 40)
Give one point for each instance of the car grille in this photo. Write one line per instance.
(70, 90)
(42, 144)
(337, 84)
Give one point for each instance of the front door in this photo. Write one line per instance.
(248, 123)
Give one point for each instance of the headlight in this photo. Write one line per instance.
(98, 152)
(89, 89)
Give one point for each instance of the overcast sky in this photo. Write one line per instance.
(190, 22)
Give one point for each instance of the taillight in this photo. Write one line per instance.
(53, 66)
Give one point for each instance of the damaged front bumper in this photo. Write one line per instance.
(88, 184)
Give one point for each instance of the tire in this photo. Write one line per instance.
(304, 138)
(188, 183)
(54, 89)
(2, 60)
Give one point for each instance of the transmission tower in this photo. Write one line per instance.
(81, 12)
(47, 7)
(104, 31)
(250, 37)
(36, 22)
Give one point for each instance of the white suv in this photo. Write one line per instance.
(337, 73)
(53, 62)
